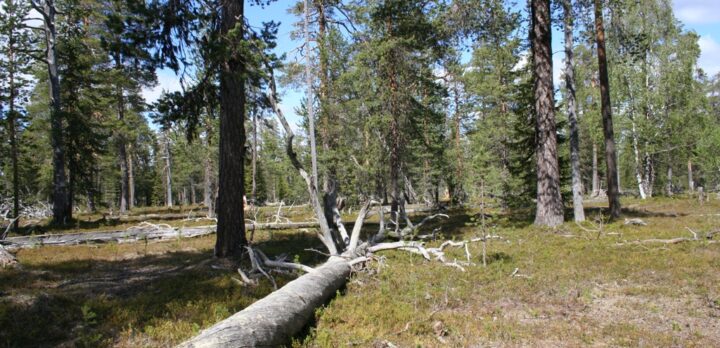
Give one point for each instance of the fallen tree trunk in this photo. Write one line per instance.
(6, 259)
(132, 234)
(275, 319)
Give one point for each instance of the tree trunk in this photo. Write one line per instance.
(691, 182)
(168, 171)
(578, 211)
(276, 318)
(649, 173)
(608, 132)
(457, 192)
(131, 179)
(62, 212)
(253, 192)
(193, 194)
(231, 224)
(549, 201)
(12, 129)
(595, 176)
(309, 101)
(669, 187)
(636, 155)
(208, 198)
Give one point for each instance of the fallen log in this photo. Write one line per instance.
(275, 319)
(6, 259)
(133, 234)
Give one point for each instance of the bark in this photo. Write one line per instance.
(193, 195)
(62, 213)
(691, 182)
(275, 319)
(131, 179)
(608, 132)
(208, 176)
(12, 128)
(649, 173)
(253, 191)
(168, 170)
(122, 153)
(669, 187)
(138, 233)
(549, 201)
(231, 226)
(578, 211)
(325, 234)
(6, 258)
(636, 155)
(457, 192)
(394, 130)
(595, 177)
(309, 104)
(133, 234)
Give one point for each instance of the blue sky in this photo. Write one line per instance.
(702, 16)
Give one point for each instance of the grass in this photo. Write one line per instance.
(107, 221)
(577, 291)
(574, 291)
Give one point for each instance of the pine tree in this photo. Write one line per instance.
(549, 200)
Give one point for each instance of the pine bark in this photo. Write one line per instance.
(595, 176)
(691, 182)
(549, 201)
(168, 170)
(231, 224)
(608, 132)
(131, 178)
(578, 210)
(669, 187)
(122, 147)
(12, 129)
(62, 213)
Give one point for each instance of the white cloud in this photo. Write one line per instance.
(697, 11)
(709, 55)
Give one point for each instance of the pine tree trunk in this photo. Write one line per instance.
(309, 102)
(549, 201)
(608, 132)
(394, 132)
(121, 142)
(168, 172)
(62, 213)
(578, 211)
(131, 179)
(12, 129)
(595, 176)
(208, 196)
(649, 173)
(669, 188)
(231, 188)
(636, 155)
(691, 182)
(457, 192)
(253, 193)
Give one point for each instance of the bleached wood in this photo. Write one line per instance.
(275, 319)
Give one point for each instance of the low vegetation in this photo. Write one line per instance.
(542, 287)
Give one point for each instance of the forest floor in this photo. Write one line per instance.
(568, 286)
